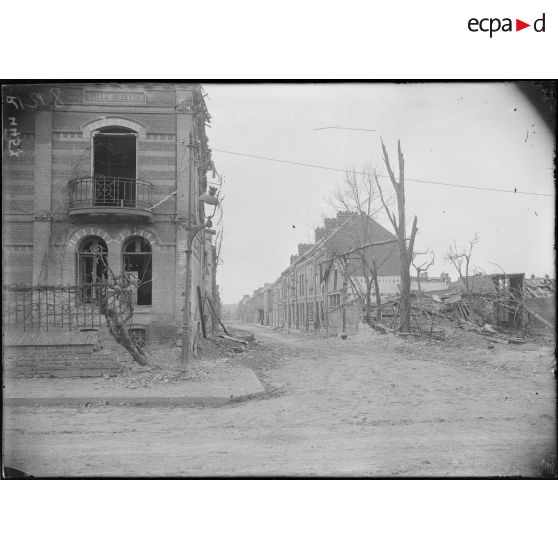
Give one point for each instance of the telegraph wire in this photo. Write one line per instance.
(514, 191)
(344, 128)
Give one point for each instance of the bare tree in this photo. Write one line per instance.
(359, 199)
(460, 258)
(399, 226)
(422, 267)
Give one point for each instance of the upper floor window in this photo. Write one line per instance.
(114, 152)
(114, 166)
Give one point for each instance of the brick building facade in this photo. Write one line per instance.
(115, 170)
(317, 292)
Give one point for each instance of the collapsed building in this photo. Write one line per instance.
(328, 287)
(506, 301)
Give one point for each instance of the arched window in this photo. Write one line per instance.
(137, 260)
(92, 267)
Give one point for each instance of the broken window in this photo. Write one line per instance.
(138, 261)
(334, 300)
(92, 268)
(114, 166)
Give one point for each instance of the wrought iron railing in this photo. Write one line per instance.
(110, 191)
(40, 308)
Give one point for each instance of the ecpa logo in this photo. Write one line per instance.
(494, 24)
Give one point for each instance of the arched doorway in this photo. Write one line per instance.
(136, 259)
(92, 267)
(114, 166)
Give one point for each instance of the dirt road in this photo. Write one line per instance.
(373, 406)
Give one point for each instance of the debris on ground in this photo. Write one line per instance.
(216, 354)
(439, 316)
(229, 338)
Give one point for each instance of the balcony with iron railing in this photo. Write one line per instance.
(110, 198)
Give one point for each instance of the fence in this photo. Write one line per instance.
(40, 308)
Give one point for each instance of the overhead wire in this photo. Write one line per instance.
(452, 185)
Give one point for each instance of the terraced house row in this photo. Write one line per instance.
(325, 287)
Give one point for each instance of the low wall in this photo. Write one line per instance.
(56, 355)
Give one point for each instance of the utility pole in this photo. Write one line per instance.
(187, 310)
(192, 231)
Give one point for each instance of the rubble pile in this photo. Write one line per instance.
(439, 315)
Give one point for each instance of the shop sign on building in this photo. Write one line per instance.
(111, 97)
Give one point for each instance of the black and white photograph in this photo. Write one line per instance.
(279, 279)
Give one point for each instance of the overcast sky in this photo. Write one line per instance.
(474, 134)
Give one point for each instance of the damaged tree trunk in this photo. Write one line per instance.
(116, 305)
(399, 226)
(377, 291)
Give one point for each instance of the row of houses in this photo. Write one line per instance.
(326, 285)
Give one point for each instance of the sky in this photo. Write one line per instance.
(475, 134)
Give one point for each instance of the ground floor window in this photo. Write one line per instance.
(334, 300)
(92, 268)
(137, 260)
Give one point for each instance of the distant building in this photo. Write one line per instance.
(322, 290)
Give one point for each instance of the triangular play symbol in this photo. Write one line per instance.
(519, 25)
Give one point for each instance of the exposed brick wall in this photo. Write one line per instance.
(17, 186)
(161, 334)
(17, 265)
(58, 361)
(163, 285)
(18, 233)
(18, 205)
(56, 151)
(73, 95)
(157, 123)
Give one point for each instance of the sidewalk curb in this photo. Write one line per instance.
(148, 401)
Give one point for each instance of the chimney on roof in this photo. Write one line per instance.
(293, 259)
(319, 233)
(330, 225)
(342, 216)
(303, 248)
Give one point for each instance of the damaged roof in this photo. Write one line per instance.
(539, 287)
(478, 284)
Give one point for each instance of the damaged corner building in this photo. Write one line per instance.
(105, 179)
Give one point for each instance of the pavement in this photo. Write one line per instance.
(217, 388)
